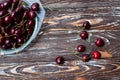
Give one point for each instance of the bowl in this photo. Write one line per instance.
(39, 20)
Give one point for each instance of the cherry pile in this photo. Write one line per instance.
(17, 23)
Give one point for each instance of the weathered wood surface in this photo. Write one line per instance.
(59, 37)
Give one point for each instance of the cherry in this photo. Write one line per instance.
(32, 14)
(20, 10)
(1, 6)
(1, 22)
(8, 19)
(26, 14)
(1, 41)
(86, 57)
(18, 31)
(86, 25)
(4, 29)
(6, 4)
(20, 40)
(96, 55)
(99, 42)
(35, 7)
(17, 19)
(5, 47)
(12, 31)
(14, 14)
(7, 41)
(31, 23)
(59, 60)
(84, 35)
(15, 1)
(2, 13)
(30, 30)
(81, 48)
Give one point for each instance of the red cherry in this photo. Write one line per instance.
(32, 14)
(96, 55)
(86, 25)
(59, 60)
(86, 57)
(26, 14)
(81, 48)
(84, 35)
(99, 42)
(8, 19)
(35, 7)
(31, 23)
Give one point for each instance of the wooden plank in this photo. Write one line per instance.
(59, 36)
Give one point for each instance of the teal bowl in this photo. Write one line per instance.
(39, 20)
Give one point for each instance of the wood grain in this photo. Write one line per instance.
(59, 36)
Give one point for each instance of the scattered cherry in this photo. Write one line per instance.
(84, 35)
(86, 25)
(81, 48)
(96, 55)
(99, 42)
(86, 57)
(59, 60)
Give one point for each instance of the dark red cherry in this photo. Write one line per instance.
(15, 1)
(1, 6)
(86, 25)
(96, 55)
(31, 23)
(18, 32)
(32, 14)
(59, 60)
(35, 7)
(2, 13)
(20, 10)
(30, 30)
(5, 47)
(86, 57)
(7, 41)
(26, 14)
(6, 4)
(14, 14)
(84, 35)
(20, 40)
(1, 22)
(8, 19)
(99, 42)
(12, 31)
(81, 48)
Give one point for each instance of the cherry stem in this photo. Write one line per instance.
(5, 15)
(8, 26)
(8, 36)
(76, 54)
(12, 7)
(20, 2)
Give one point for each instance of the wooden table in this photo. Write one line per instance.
(59, 36)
